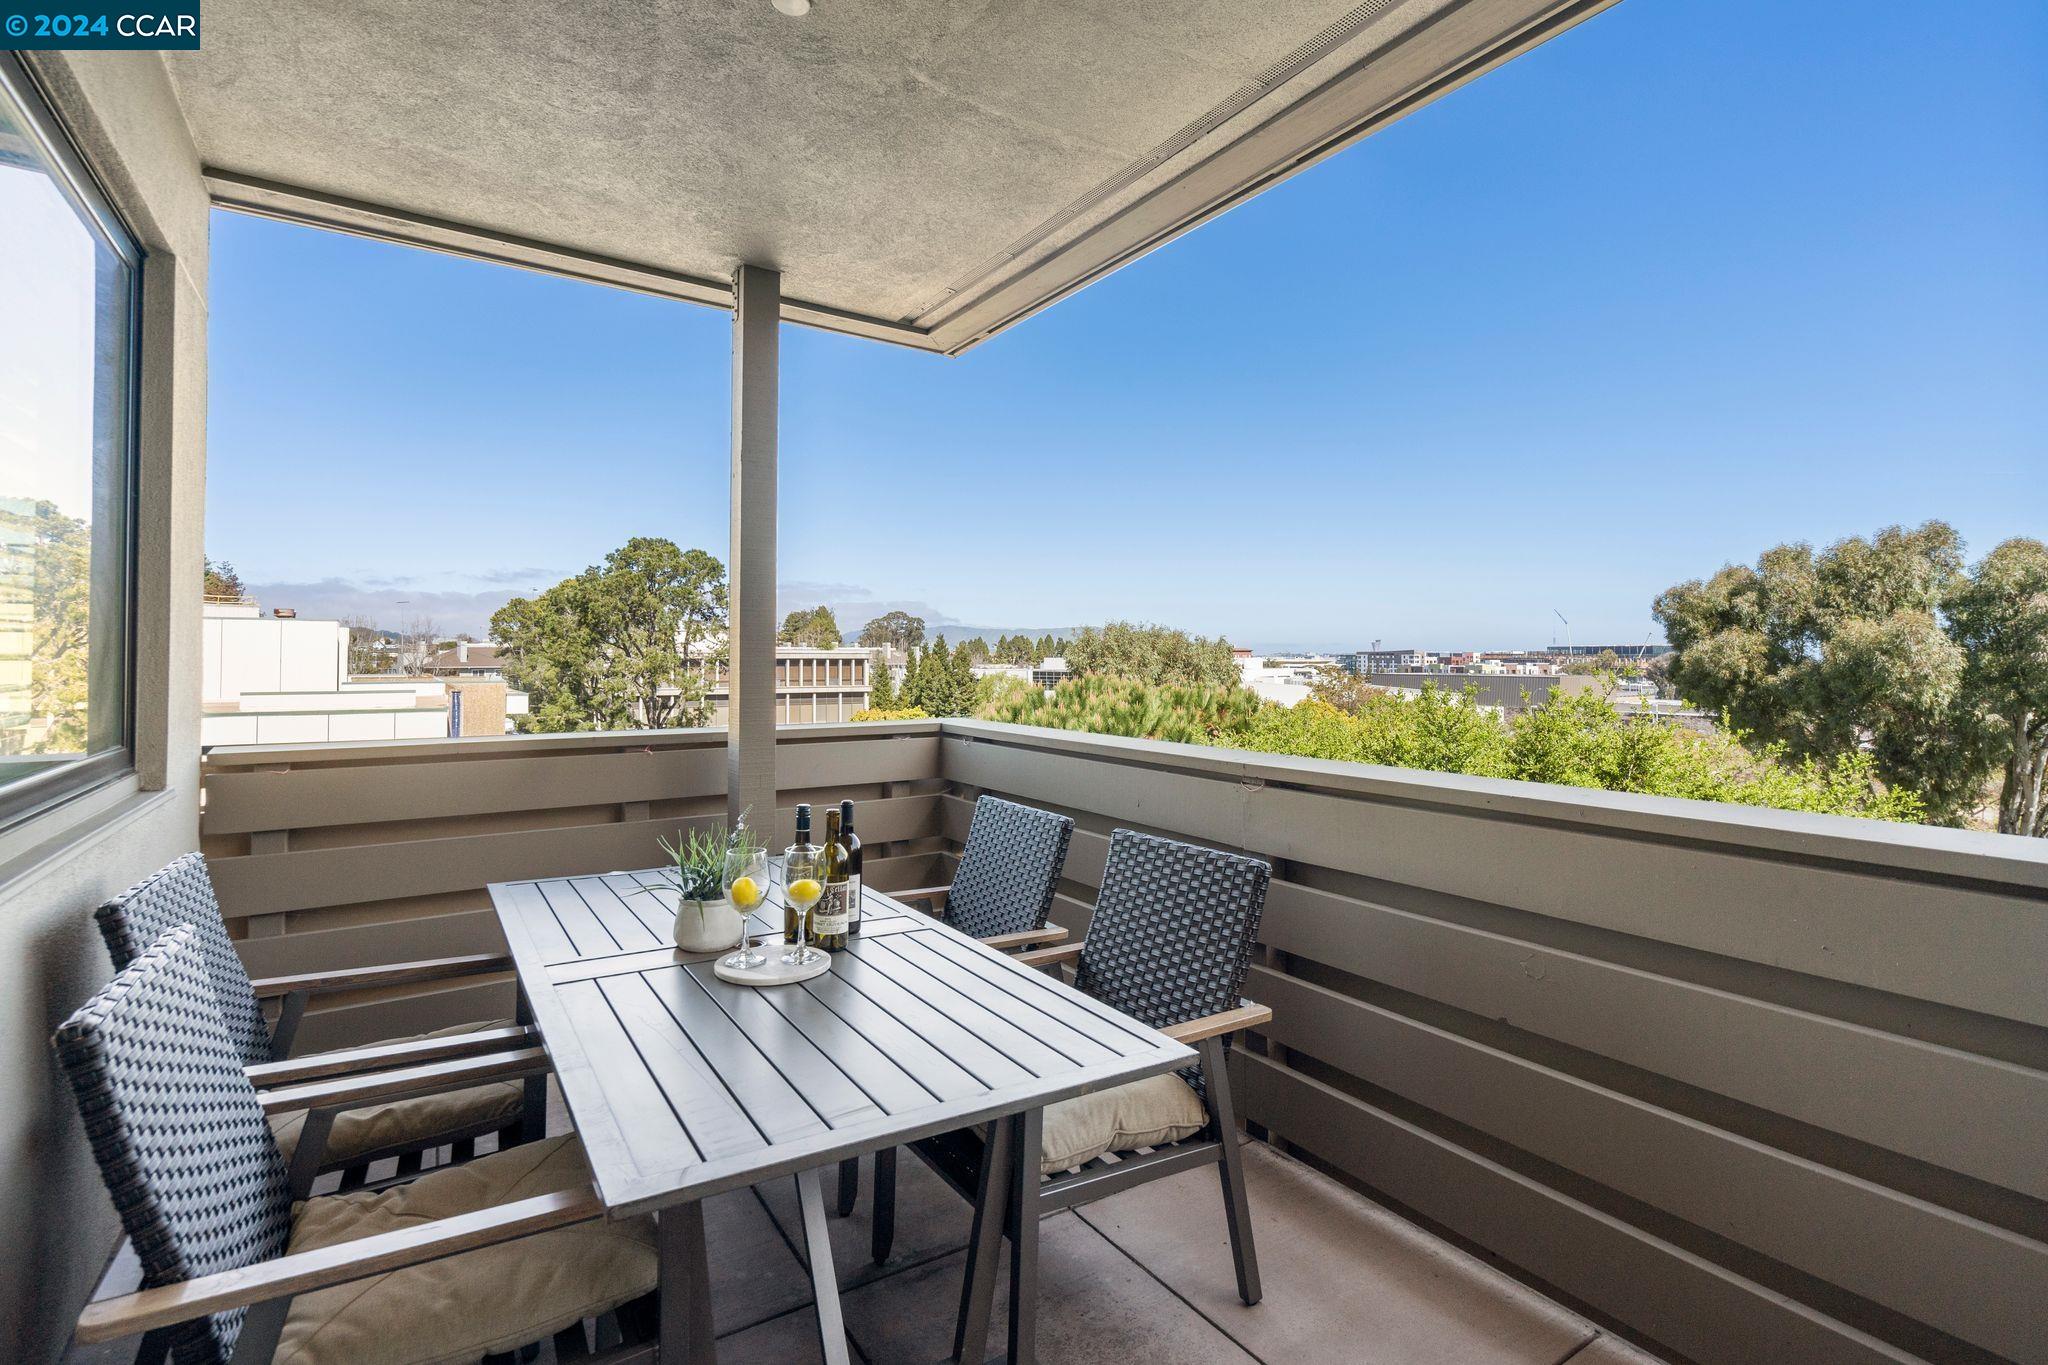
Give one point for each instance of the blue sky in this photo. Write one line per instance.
(1696, 278)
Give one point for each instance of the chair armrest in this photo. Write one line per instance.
(1024, 938)
(1246, 1015)
(922, 893)
(395, 974)
(387, 1056)
(324, 1267)
(1051, 957)
(353, 1092)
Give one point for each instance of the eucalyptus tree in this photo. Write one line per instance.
(1890, 647)
(623, 644)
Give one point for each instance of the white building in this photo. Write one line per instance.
(1047, 673)
(1285, 679)
(282, 680)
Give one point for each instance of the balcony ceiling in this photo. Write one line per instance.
(923, 171)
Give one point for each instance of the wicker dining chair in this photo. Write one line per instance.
(1009, 870)
(182, 893)
(1001, 893)
(239, 1266)
(1169, 943)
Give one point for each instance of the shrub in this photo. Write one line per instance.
(1153, 654)
(1122, 706)
(892, 713)
(1575, 741)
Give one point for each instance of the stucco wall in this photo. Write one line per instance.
(54, 869)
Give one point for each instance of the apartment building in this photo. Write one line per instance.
(1385, 661)
(810, 685)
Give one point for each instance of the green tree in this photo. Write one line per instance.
(1579, 740)
(49, 557)
(813, 629)
(223, 581)
(911, 688)
(1886, 648)
(977, 649)
(1107, 705)
(1343, 689)
(938, 681)
(1152, 654)
(2000, 618)
(881, 683)
(893, 630)
(621, 644)
(1440, 730)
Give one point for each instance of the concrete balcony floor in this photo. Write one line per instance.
(1146, 1275)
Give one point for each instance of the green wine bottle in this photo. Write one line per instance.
(829, 919)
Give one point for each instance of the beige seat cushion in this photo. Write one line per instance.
(405, 1123)
(1147, 1113)
(493, 1299)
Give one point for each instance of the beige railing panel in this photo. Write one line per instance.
(1809, 911)
(345, 855)
(1669, 1293)
(1840, 1228)
(1764, 1086)
(314, 792)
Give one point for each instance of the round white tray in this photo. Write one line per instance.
(775, 972)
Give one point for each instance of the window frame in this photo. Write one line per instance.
(30, 797)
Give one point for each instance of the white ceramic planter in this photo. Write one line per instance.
(706, 926)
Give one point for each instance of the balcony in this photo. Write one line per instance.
(1553, 1074)
(1550, 1070)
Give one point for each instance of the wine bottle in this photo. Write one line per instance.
(794, 857)
(852, 842)
(829, 918)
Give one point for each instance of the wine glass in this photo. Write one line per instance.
(746, 886)
(803, 886)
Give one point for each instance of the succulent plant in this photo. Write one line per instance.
(699, 856)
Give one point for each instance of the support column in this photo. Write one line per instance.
(750, 721)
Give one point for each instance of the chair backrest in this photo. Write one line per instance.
(177, 1130)
(1172, 934)
(182, 893)
(1009, 869)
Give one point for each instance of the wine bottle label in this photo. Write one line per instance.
(830, 915)
(855, 909)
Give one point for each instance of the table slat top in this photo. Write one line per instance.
(682, 1084)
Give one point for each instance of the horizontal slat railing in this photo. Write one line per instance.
(1809, 911)
(1760, 1085)
(332, 855)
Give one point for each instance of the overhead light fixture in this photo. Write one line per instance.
(795, 9)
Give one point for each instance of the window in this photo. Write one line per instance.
(68, 285)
